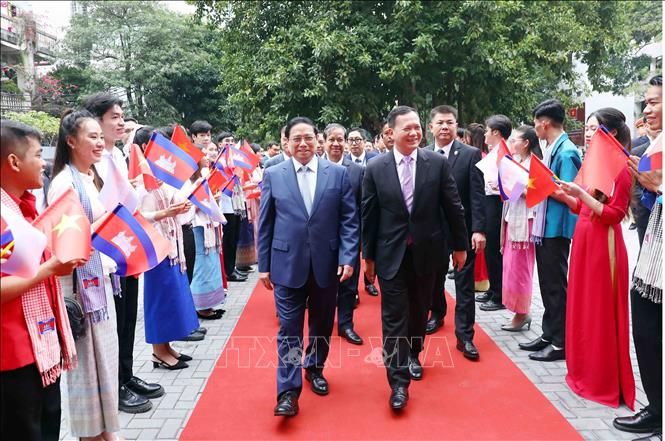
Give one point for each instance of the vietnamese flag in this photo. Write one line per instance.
(130, 241)
(541, 182)
(66, 227)
(216, 180)
(181, 139)
(138, 165)
(604, 160)
(168, 162)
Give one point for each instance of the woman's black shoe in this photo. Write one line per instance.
(172, 367)
(184, 357)
(216, 315)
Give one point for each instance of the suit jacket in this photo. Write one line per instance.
(640, 212)
(291, 243)
(368, 156)
(565, 162)
(387, 224)
(470, 183)
(356, 174)
(274, 160)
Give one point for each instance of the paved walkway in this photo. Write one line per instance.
(183, 388)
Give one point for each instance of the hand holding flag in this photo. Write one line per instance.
(168, 162)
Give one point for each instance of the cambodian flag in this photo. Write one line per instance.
(168, 162)
(244, 157)
(22, 245)
(513, 179)
(6, 237)
(202, 198)
(652, 159)
(130, 241)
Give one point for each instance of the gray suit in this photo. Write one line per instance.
(274, 160)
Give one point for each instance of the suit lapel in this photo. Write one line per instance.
(321, 183)
(454, 153)
(422, 171)
(392, 179)
(289, 172)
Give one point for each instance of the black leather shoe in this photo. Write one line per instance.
(350, 335)
(236, 277)
(287, 404)
(468, 349)
(415, 368)
(148, 390)
(319, 384)
(548, 354)
(433, 324)
(534, 345)
(642, 422)
(484, 297)
(132, 403)
(491, 305)
(245, 269)
(201, 330)
(399, 397)
(371, 290)
(194, 336)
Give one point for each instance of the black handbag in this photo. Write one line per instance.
(75, 314)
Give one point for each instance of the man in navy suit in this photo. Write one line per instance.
(308, 243)
(335, 137)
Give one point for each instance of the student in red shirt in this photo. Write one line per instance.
(31, 356)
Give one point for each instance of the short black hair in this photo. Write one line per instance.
(460, 132)
(14, 138)
(129, 118)
(200, 126)
(443, 109)
(100, 103)
(656, 80)
(256, 147)
(142, 135)
(223, 135)
(529, 134)
(552, 109)
(166, 131)
(299, 120)
(399, 111)
(501, 123)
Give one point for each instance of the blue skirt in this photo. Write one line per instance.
(168, 306)
(206, 286)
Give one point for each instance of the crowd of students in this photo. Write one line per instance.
(585, 289)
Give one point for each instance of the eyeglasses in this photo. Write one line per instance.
(298, 139)
(355, 140)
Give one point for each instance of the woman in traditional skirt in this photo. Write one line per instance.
(168, 307)
(206, 284)
(519, 254)
(93, 386)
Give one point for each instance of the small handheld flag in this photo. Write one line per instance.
(652, 159)
(203, 199)
(513, 178)
(117, 190)
(130, 241)
(541, 182)
(181, 139)
(604, 160)
(138, 166)
(168, 162)
(22, 244)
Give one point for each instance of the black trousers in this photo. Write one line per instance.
(29, 411)
(552, 260)
(126, 308)
(190, 250)
(230, 242)
(405, 300)
(465, 303)
(346, 300)
(493, 257)
(647, 335)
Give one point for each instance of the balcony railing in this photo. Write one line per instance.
(45, 43)
(9, 36)
(13, 102)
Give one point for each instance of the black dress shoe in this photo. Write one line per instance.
(132, 403)
(245, 269)
(534, 345)
(148, 390)
(350, 335)
(484, 297)
(468, 349)
(491, 305)
(642, 422)
(319, 384)
(194, 336)
(433, 324)
(184, 357)
(287, 404)
(548, 354)
(236, 277)
(415, 368)
(371, 290)
(215, 314)
(201, 330)
(399, 397)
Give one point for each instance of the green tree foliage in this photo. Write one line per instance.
(351, 61)
(164, 63)
(41, 121)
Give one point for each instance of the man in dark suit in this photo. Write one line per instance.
(284, 155)
(408, 195)
(308, 237)
(471, 188)
(335, 138)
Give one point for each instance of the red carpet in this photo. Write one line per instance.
(457, 399)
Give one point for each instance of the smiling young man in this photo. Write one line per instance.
(308, 243)
(409, 194)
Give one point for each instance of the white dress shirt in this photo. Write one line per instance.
(445, 148)
(400, 165)
(362, 158)
(310, 176)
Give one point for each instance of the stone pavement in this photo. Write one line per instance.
(183, 388)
